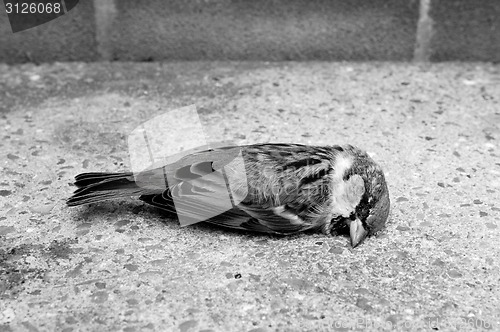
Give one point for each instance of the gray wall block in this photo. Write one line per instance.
(266, 30)
(466, 30)
(70, 37)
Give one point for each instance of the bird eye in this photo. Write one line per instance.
(352, 216)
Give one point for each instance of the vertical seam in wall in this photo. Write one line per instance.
(425, 31)
(105, 13)
(63, 4)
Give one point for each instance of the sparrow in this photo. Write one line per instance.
(271, 188)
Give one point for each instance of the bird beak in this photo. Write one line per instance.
(357, 232)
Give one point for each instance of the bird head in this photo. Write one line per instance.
(371, 212)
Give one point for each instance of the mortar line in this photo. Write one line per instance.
(425, 31)
(105, 13)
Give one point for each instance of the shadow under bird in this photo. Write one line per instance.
(274, 188)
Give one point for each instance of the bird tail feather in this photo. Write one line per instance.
(97, 187)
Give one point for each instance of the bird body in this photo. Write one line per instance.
(271, 188)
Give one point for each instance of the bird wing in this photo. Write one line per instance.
(242, 188)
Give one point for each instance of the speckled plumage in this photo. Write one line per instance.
(286, 188)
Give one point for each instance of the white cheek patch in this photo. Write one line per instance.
(355, 188)
(346, 195)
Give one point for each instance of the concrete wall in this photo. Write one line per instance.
(396, 30)
(466, 30)
(70, 37)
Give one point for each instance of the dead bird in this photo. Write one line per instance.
(272, 188)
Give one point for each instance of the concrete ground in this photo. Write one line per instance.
(123, 266)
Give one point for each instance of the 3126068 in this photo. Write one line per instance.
(33, 8)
